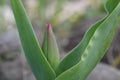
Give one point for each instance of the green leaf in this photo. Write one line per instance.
(35, 57)
(74, 56)
(50, 47)
(111, 4)
(95, 50)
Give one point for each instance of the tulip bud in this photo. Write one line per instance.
(50, 47)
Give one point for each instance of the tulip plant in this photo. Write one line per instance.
(45, 61)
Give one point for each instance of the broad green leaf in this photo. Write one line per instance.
(95, 50)
(50, 47)
(111, 4)
(74, 56)
(35, 57)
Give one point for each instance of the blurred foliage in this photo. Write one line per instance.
(44, 4)
(116, 61)
(2, 2)
(58, 9)
(1, 15)
(2, 21)
(61, 27)
(96, 8)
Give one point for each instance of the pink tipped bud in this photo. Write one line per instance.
(48, 25)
